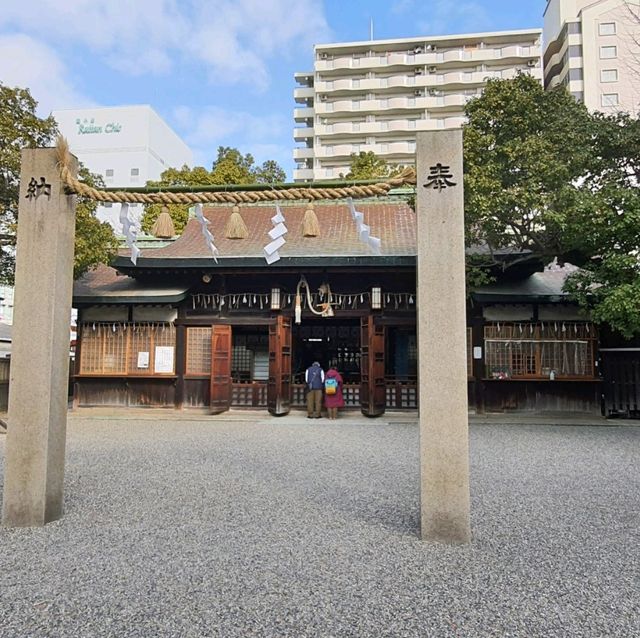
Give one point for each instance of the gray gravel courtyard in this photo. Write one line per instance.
(289, 527)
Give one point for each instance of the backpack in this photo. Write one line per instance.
(331, 385)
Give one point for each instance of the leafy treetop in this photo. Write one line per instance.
(20, 127)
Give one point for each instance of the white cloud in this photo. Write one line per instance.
(27, 63)
(232, 39)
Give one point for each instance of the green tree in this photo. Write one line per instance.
(543, 175)
(367, 165)
(608, 229)
(524, 151)
(95, 242)
(20, 127)
(232, 167)
(229, 167)
(270, 173)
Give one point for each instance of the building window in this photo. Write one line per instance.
(135, 174)
(355, 84)
(607, 28)
(545, 350)
(127, 349)
(107, 204)
(606, 53)
(356, 126)
(108, 176)
(198, 355)
(609, 75)
(610, 99)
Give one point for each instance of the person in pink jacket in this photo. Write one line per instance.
(333, 398)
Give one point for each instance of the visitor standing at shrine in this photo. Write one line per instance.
(333, 398)
(314, 377)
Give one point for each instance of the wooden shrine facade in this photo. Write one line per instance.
(178, 330)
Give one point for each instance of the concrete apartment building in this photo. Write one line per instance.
(127, 145)
(592, 48)
(375, 95)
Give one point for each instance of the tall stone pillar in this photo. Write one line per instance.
(35, 448)
(442, 367)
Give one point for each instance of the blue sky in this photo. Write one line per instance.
(219, 71)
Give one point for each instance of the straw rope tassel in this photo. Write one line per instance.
(310, 225)
(235, 227)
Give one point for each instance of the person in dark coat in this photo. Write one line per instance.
(314, 377)
(333, 401)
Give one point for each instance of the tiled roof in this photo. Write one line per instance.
(106, 284)
(393, 222)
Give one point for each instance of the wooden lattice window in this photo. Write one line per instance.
(198, 361)
(127, 349)
(545, 350)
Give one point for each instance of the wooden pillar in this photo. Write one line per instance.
(180, 365)
(34, 474)
(442, 349)
(477, 341)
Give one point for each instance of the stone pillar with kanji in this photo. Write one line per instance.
(36, 432)
(442, 350)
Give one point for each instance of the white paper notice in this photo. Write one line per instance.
(143, 359)
(164, 359)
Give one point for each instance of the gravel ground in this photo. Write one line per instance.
(289, 527)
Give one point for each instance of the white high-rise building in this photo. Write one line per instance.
(375, 95)
(127, 145)
(592, 47)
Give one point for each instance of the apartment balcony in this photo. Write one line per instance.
(303, 153)
(302, 114)
(304, 78)
(303, 133)
(303, 94)
(344, 151)
(343, 63)
(518, 52)
(302, 174)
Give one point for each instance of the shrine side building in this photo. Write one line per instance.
(179, 330)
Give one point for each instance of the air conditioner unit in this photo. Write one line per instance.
(532, 62)
(418, 71)
(323, 98)
(417, 50)
(433, 69)
(418, 92)
(433, 92)
(324, 56)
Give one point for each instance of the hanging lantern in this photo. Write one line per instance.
(275, 299)
(376, 298)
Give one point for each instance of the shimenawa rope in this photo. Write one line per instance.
(73, 185)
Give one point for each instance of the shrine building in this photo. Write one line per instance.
(181, 330)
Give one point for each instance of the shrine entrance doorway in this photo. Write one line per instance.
(355, 346)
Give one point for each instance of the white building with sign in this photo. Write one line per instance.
(127, 145)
